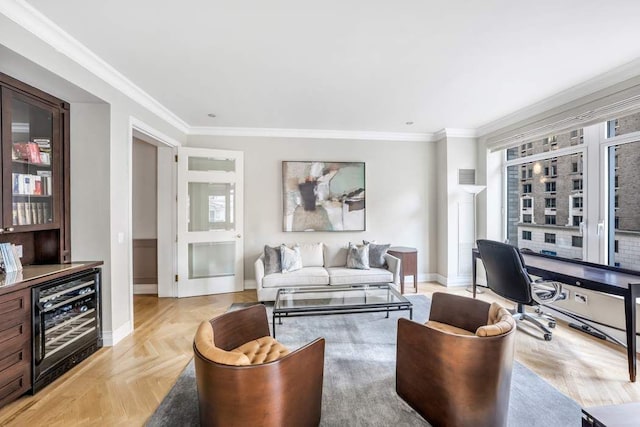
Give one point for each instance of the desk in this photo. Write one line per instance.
(594, 277)
(408, 264)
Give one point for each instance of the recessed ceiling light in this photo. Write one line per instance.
(211, 115)
(408, 123)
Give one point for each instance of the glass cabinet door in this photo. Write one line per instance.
(31, 133)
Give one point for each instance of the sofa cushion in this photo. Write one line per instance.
(308, 276)
(335, 255)
(358, 256)
(263, 350)
(272, 263)
(450, 329)
(311, 254)
(290, 258)
(350, 276)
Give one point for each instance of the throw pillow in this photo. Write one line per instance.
(358, 257)
(272, 263)
(311, 254)
(376, 254)
(290, 258)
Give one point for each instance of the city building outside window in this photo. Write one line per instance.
(549, 238)
(526, 235)
(550, 219)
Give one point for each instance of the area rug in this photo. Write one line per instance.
(359, 377)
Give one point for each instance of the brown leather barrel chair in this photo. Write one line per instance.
(455, 370)
(246, 378)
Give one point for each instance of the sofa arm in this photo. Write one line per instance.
(393, 265)
(258, 267)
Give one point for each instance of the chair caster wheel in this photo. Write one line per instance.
(547, 337)
(552, 324)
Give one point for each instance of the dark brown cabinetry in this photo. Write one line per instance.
(15, 345)
(35, 179)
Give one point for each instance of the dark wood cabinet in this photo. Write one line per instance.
(15, 345)
(35, 173)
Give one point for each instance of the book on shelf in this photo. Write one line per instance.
(14, 213)
(27, 151)
(27, 214)
(21, 215)
(34, 213)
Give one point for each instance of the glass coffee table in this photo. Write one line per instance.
(312, 301)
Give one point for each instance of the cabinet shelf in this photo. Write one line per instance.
(27, 163)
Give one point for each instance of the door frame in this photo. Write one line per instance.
(165, 213)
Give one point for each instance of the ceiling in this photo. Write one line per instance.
(360, 65)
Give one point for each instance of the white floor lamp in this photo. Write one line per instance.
(475, 190)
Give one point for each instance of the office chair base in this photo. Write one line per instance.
(548, 335)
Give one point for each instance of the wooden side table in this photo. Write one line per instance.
(408, 264)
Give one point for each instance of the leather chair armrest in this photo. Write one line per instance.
(393, 265)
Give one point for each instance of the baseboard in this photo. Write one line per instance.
(145, 289)
(111, 338)
(454, 281)
(250, 284)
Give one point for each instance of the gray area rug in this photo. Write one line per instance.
(359, 377)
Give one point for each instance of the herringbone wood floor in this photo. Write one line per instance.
(123, 385)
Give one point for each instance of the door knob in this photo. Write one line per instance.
(238, 236)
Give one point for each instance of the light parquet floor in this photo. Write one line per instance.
(123, 385)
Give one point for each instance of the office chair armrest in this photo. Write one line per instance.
(545, 292)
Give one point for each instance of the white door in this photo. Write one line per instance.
(210, 228)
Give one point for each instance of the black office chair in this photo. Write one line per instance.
(507, 276)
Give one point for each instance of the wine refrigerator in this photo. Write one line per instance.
(66, 325)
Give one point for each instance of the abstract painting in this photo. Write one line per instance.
(323, 196)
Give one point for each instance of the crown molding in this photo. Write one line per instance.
(311, 133)
(32, 20)
(624, 75)
(455, 133)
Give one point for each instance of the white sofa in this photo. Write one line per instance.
(332, 272)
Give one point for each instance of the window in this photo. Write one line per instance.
(615, 246)
(616, 203)
(526, 203)
(576, 241)
(577, 202)
(615, 182)
(550, 187)
(554, 212)
(616, 222)
(549, 238)
(623, 125)
(577, 184)
(577, 219)
(526, 235)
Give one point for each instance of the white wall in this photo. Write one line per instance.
(144, 168)
(455, 210)
(50, 70)
(400, 191)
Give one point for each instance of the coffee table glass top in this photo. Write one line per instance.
(337, 297)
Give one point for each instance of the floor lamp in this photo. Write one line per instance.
(475, 190)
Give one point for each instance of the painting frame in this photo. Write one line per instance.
(323, 196)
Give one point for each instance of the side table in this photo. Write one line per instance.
(408, 264)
